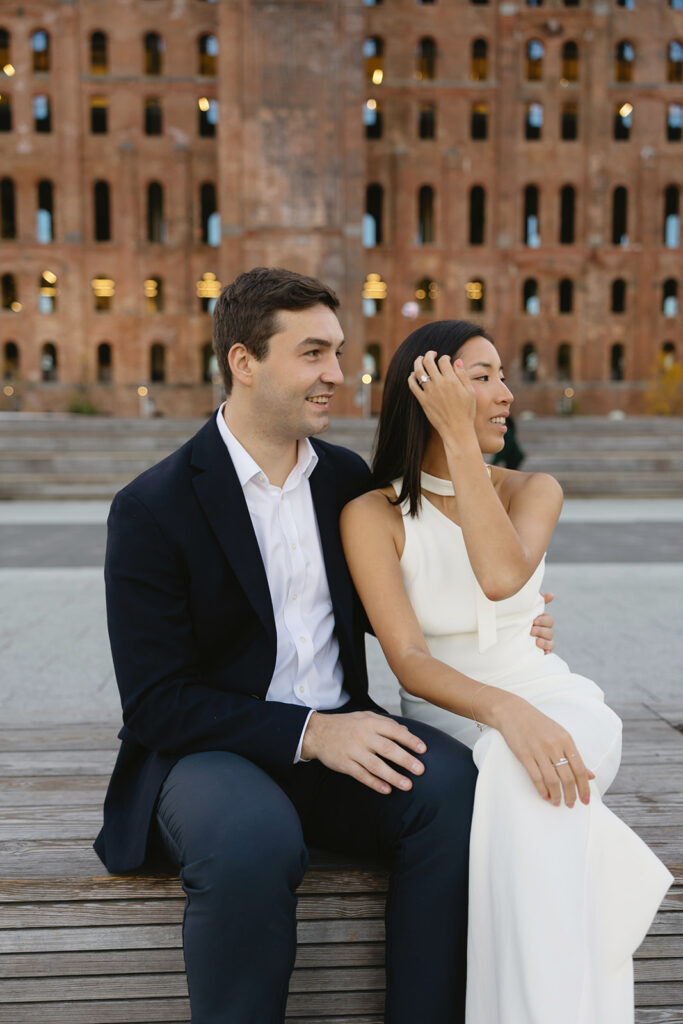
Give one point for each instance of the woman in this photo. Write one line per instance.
(447, 556)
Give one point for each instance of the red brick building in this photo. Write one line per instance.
(519, 164)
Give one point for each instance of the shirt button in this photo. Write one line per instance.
(294, 597)
(302, 689)
(262, 479)
(302, 639)
(293, 547)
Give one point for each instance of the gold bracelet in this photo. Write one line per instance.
(479, 726)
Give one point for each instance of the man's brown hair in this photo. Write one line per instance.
(246, 311)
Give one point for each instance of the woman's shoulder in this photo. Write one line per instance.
(513, 484)
(377, 503)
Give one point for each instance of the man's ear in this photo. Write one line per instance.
(240, 361)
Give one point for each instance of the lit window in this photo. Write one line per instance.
(373, 51)
(98, 53)
(47, 292)
(479, 69)
(374, 294)
(535, 51)
(623, 120)
(475, 296)
(103, 289)
(40, 45)
(372, 119)
(208, 116)
(154, 295)
(570, 62)
(674, 64)
(208, 290)
(208, 53)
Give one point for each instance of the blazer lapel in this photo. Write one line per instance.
(221, 497)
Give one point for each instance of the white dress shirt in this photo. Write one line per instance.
(307, 667)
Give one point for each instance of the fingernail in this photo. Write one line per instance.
(556, 803)
(421, 748)
(404, 784)
(585, 799)
(570, 806)
(416, 766)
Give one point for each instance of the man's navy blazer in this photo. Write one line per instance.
(192, 629)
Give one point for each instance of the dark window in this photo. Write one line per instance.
(208, 55)
(569, 122)
(565, 296)
(5, 50)
(42, 115)
(479, 62)
(535, 52)
(479, 121)
(477, 215)
(619, 295)
(156, 226)
(567, 214)
(210, 218)
(10, 299)
(530, 301)
(630, 5)
(564, 362)
(157, 363)
(48, 362)
(533, 121)
(153, 116)
(102, 212)
(153, 55)
(674, 122)
(372, 119)
(670, 297)
(208, 117)
(99, 110)
(10, 361)
(426, 291)
(40, 45)
(672, 220)
(531, 227)
(5, 113)
(8, 221)
(624, 58)
(208, 362)
(426, 126)
(425, 60)
(570, 62)
(373, 51)
(674, 63)
(98, 53)
(529, 365)
(425, 215)
(45, 213)
(616, 362)
(623, 119)
(620, 216)
(373, 226)
(104, 363)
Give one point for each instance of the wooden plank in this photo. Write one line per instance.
(660, 993)
(84, 736)
(56, 762)
(670, 969)
(62, 790)
(652, 1015)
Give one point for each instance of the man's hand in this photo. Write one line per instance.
(359, 744)
(543, 628)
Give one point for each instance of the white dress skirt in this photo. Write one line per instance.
(559, 898)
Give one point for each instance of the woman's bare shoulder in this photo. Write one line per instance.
(378, 504)
(512, 484)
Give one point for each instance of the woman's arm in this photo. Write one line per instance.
(373, 537)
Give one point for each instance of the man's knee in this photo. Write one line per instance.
(450, 775)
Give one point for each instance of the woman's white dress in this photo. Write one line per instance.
(559, 898)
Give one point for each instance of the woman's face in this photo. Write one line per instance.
(485, 371)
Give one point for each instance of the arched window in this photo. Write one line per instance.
(157, 363)
(156, 225)
(569, 122)
(533, 121)
(668, 355)
(42, 114)
(479, 62)
(40, 46)
(426, 292)
(47, 292)
(208, 289)
(672, 219)
(616, 362)
(372, 360)
(479, 121)
(104, 363)
(618, 295)
(674, 62)
(425, 60)
(6, 52)
(153, 54)
(210, 217)
(570, 62)
(99, 108)
(425, 215)
(10, 298)
(426, 124)
(477, 215)
(623, 120)
(374, 294)
(630, 5)
(154, 295)
(624, 59)
(10, 361)
(45, 213)
(48, 362)
(103, 289)
(98, 53)
(529, 362)
(620, 216)
(670, 297)
(531, 303)
(475, 291)
(373, 226)
(373, 51)
(5, 112)
(372, 119)
(209, 362)
(154, 124)
(565, 296)
(564, 361)
(535, 51)
(674, 122)
(208, 117)
(208, 55)
(8, 217)
(531, 227)
(102, 211)
(567, 214)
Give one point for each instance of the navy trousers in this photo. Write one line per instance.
(238, 836)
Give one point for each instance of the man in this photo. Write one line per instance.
(238, 646)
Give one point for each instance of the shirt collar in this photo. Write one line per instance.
(248, 469)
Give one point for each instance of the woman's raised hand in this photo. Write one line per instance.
(445, 393)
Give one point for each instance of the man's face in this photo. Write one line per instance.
(294, 384)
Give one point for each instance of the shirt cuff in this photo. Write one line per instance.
(297, 757)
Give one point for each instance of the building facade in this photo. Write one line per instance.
(517, 164)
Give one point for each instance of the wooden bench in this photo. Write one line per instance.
(82, 947)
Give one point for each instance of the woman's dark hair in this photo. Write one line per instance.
(403, 429)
